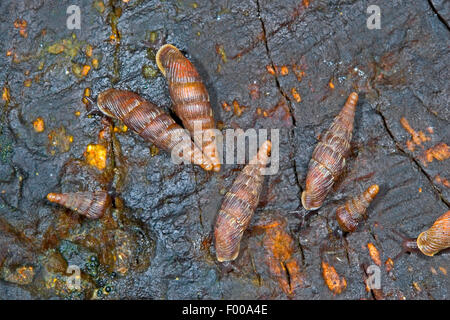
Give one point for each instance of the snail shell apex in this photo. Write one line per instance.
(92, 205)
(353, 211)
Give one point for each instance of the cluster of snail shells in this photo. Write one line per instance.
(191, 104)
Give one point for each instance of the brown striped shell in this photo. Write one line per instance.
(437, 238)
(328, 158)
(354, 210)
(151, 123)
(238, 206)
(190, 99)
(92, 205)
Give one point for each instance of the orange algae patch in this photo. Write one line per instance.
(389, 264)
(374, 253)
(96, 156)
(21, 24)
(442, 181)
(296, 95)
(439, 152)
(416, 137)
(39, 125)
(335, 283)
(282, 265)
(5, 94)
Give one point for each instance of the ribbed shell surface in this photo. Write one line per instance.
(92, 205)
(437, 238)
(354, 210)
(190, 99)
(150, 122)
(328, 158)
(239, 205)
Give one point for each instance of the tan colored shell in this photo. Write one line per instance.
(328, 158)
(354, 210)
(92, 205)
(151, 123)
(239, 205)
(190, 99)
(437, 238)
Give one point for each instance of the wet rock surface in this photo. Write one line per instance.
(287, 65)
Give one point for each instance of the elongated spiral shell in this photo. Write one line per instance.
(190, 99)
(151, 123)
(328, 158)
(238, 206)
(354, 210)
(437, 238)
(92, 205)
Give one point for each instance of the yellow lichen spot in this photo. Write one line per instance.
(87, 92)
(194, 5)
(5, 94)
(221, 51)
(154, 150)
(88, 50)
(56, 48)
(237, 109)
(38, 125)
(270, 69)
(416, 286)
(85, 70)
(443, 270)
(306, 3)
(99, 6)
(58, 140)
(433, 270)
(335, 283)
(226, 106)
(95, 63)
(284, 70)
(420, 190)
(77, 113)
(374, 253)
(27, 83)
(96, 156)
(331, 84)
(296, 95)
(389, 264)
(121, 128)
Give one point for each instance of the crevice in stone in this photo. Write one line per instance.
(436, 12)
(417, 164)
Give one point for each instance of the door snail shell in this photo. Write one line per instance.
(328, 158)
(354, 210)
(92, 205)
(190, 99)
(151, 123)
(433, 240)
(239, 205)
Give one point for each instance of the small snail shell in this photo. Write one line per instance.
(92, 205)
(151, 123)
(190, 99)
(238, 206)
(353, 211)
(437, 238)
(328, 158)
